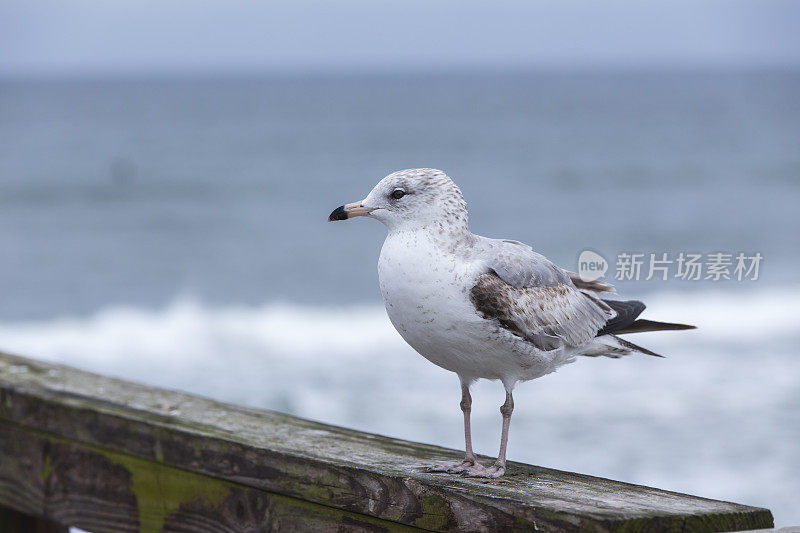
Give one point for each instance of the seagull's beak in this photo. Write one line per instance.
(355, 209)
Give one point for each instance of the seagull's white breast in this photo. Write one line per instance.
(426, 292)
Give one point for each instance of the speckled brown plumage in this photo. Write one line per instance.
(548, 317)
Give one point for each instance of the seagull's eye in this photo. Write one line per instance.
(397, 194)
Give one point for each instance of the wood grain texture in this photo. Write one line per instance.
(15, 522)
(104, 491)
(272, 455)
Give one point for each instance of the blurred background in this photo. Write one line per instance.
(167, 168)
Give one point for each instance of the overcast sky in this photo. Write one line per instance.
(122, 36)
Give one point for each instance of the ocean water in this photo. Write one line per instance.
(173, 231)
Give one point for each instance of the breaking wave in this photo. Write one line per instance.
(191, 331)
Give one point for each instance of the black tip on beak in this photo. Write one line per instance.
(338, 214)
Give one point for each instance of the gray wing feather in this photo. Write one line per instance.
(535, 299)
(518, 265)
(594, 285)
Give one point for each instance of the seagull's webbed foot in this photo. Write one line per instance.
(494, 471)
(463, 466)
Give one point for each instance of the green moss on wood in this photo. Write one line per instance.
(47, 469)
(436, 513)
(161, 491)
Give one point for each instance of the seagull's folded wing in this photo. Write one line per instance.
(547, 316)
(535, 299)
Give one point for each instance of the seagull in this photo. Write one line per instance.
(485, 308)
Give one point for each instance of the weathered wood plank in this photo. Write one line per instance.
(12, 521)
(340, 468)
(104, 491)
(790, 529)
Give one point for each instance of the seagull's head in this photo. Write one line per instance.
(410, 198)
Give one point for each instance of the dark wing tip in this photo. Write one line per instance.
(642, 325)
(627, 311)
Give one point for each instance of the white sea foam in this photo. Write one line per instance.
(189, 329)
(718, 417)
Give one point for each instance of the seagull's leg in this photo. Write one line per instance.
(466, 407)
(499, 466)
(470, 459)
(506, 409)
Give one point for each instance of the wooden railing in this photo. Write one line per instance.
(105, 454)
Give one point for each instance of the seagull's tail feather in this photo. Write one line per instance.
(612, 346)
(641, 325)
(635, 347)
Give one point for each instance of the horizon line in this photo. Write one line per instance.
(254, 72)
